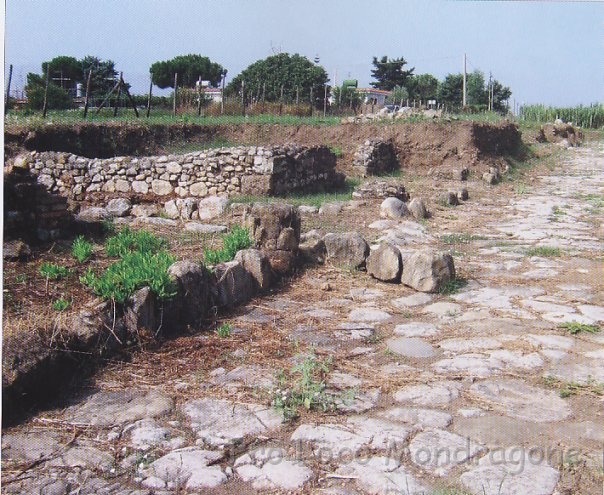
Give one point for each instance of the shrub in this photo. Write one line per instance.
(224, 330)
(574, 327)
(60, 304)
(127, 241)
(81, 249)
(52, 271)
(238, 238)
(134, 270)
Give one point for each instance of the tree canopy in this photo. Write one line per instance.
(389, 73)
(423, 87)
(450, 92)
(292, 72)
(189, 69)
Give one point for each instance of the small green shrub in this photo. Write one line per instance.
(452, 286)
(238, 238)
(127, 241)
(81, 249)
(462, 238)
(543, 251)
(52, 271)
(133, 271)
(224, 330)
(60, 304)
(574, 327)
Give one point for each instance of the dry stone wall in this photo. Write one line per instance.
(273, 170)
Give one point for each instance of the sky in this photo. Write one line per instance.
(549, 52)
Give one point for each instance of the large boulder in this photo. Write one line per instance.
(234, 284)
(193, 301)
(118, 207)
(268, 220)
(212, 207)
(140, 312)
(417, 208)
(349, 249)
(15, 250)
(427, 270)
(257, 265)
(385, 263)
(393, 208)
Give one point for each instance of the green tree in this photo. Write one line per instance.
(103, 75)
(501, 95)
(450, 91)
(189, 69)
(399, 93)
(58, 99)
(291, 72)
(390, 73)
(66, 68)
(477, 95)
(346, 97)
(423, 87)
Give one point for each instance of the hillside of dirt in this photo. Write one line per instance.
(427, 144)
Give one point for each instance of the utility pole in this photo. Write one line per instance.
(10, 77)
(463, 103)
(175, 93)
(224, 73)
(490, 91)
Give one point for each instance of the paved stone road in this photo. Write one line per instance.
(479, 392)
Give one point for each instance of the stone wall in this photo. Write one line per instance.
(376, 157)
(274, 170)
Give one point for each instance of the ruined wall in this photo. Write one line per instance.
(270, 170)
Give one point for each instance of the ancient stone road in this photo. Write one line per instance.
(496, 398)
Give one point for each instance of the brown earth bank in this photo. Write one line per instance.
(423, 143)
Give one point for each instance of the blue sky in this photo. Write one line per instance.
(547, 52)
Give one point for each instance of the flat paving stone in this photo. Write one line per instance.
(268, 468)
(596, 313)
(358, 402)
(518, 359)
(246, 376)
(84, 456)
(319, 313)
(107, 408)
(220, 422)
(148, 433)
(550, 341)
(469, 344)
(412, 347)
(474, 365)
(583, 373)
(204, 228)
(30, 445)
(369, 315)
(416, 329)
(354, 331)
(418, 417)
(334, 440)
(496, 431)
(443, 310)
(188, 467)
(381, 475)
(365, 293)
(411, 301)
(513, 471)
(439, 451)
(433, 394)
(546, 307)
(518, 399)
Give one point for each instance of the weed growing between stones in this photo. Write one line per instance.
(127, 241)
(60, 304)
(452, 286)
(574, 327)
(567, 389)
(81, 249)
(306, 388)
(543, 251)
(462, 238)
(237, 239)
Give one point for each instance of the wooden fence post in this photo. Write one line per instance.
(243, 97)
(149, 98)
(10, 77)
(199, 96)
(119, 94)
(87, 97)
(45, 106)
(175, 91)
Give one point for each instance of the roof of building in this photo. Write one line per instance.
(374, 90)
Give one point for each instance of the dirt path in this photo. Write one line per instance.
(480, 391)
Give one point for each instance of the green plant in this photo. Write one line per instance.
(238, 238)
(127, 241)
(60, 304)
(81, 249)
(452, 286)
(133, 271)
(307, 388)
(574, 327)
(224, 330)
(52, 271)
(463, 238)
(543, 251)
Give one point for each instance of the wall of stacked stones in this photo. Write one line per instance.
(267, 170)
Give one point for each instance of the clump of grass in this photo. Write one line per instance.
(81, 249)
(238, 238)
(463, 238)
(307, 388)
(127, 241)
(543, 251)
(567, 389)
(133, 271)
(60, 304)
(574, 327)
(52, 271)
(521, 188)
(224, 330)
(452, 286)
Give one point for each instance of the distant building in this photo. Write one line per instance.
(372, 96)
(214, 93)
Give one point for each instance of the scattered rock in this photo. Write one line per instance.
(393, 208)
(234, 284)
(92, 214)
(331, 209)
(412, 347)
(192, 303)
(268, 220)
(15, 250)
(118, 207)
(385, 263)
(463, 194)
(205, 228)
(348, 249)
(212, 207)
(145, 210)
(268, 468)
(428, 271)
(449, 199)
(417, 208)
(380, 189)
(257, 265)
